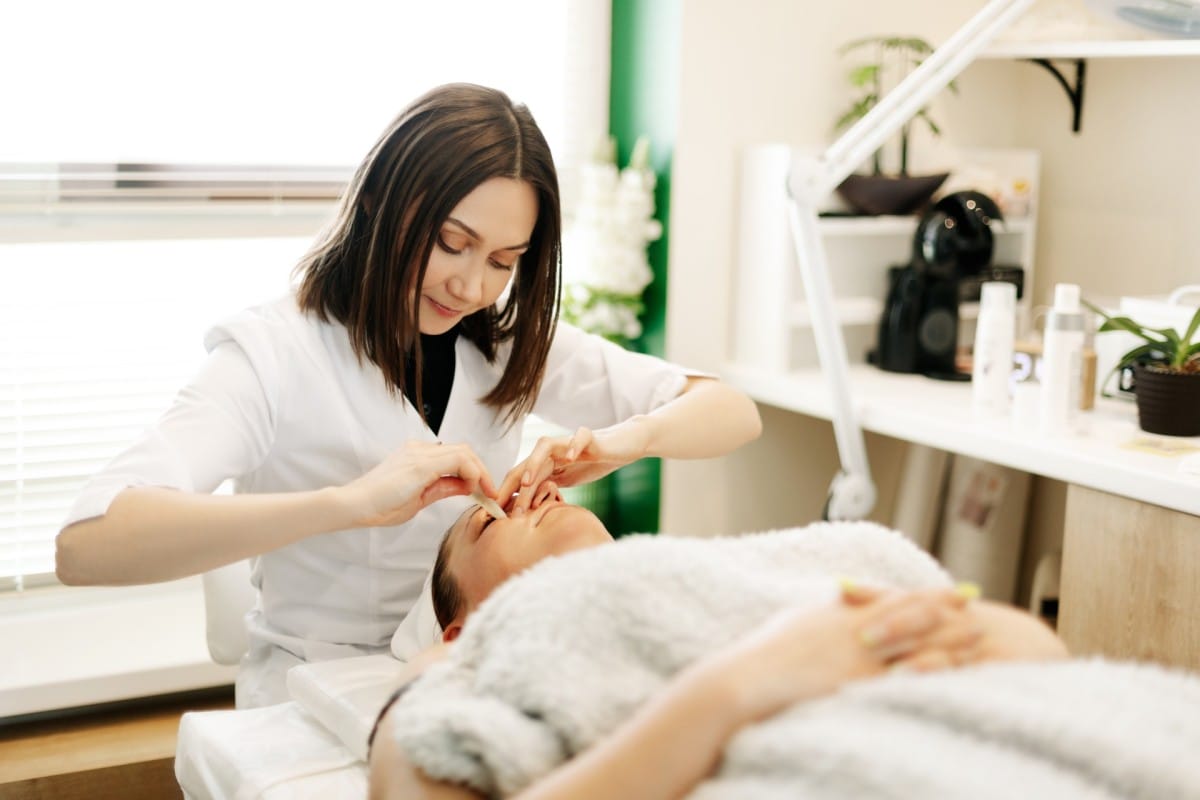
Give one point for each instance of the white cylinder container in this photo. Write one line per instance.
(1062, 363)
(992, 360)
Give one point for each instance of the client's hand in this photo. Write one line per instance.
(1001, 632)
(800, 654)
(582, 457)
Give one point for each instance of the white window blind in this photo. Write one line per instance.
(95, 339)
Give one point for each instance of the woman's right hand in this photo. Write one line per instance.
(413, 477)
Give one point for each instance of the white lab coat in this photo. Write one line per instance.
(283, 405)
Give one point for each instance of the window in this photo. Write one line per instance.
(152, 182)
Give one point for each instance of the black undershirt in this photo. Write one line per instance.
(437, 376)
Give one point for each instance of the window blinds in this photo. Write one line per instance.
(95, 339)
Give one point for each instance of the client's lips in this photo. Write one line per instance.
(546, 508)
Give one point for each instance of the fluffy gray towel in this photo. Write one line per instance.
(562, 655)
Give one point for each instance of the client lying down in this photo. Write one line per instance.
(740, 667)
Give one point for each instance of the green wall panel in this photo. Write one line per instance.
(643, 101)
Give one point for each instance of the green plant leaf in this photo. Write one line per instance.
(911, 44)
(1128, 325)
(856, 111)
(1173, 347)
(933, 126)
(1155, 354)
(1191, 328)
(864, 75)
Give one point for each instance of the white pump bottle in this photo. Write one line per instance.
(1062, 363)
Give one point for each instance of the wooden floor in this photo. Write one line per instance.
(121, 752)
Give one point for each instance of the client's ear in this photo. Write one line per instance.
(452, 631)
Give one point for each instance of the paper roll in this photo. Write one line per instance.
(919, 496)
(983, 525)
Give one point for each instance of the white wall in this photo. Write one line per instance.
(1118, 207)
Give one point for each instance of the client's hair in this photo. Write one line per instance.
(448, 600)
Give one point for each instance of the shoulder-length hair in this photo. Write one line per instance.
(366, 270)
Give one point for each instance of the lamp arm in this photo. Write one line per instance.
(852, 493)
(920, 86)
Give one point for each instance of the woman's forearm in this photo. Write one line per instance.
(667, 748)
(155, 534)
(709, 418)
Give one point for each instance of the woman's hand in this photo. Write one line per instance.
(413, 477)
(800, 654)
(582, 457)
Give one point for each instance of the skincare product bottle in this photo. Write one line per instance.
(992, 362)
(1062, 360)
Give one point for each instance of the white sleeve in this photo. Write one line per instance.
(219, 426)
(592, 382)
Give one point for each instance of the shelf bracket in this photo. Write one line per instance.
(1074, 93)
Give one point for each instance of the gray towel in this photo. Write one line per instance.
(563, 654)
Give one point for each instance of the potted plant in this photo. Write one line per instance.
(894, 57)
(1166, 370)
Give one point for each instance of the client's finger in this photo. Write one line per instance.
(857, 594)
(904, 616)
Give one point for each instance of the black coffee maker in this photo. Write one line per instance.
(952, 247)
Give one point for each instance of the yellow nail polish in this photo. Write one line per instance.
(848, 585)
(967, 590)
(872, 635)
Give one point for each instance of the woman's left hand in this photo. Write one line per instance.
(579, 458)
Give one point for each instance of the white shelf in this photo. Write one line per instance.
(898, 225)
(850, 311)
(1109, 48)
(938, 414)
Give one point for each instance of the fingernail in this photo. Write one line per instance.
(526, 479)
(571, 453)
(847, 584)
(901, 668)
(872, 635)
(967, 590)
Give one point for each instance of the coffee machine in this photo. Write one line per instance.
(951, 256)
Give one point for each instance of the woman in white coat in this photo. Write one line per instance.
(425, 314)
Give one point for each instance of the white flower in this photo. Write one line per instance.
(605, 268)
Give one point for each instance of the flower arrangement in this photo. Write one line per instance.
(605, 267)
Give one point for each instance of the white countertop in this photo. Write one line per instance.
(1112, 455)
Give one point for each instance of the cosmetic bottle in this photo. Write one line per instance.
(1062, 360)
(992, 360)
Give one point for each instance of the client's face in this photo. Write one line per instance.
(484, 552)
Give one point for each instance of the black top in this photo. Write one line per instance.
(437, 376)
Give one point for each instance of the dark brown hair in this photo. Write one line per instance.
(366, 269)
(448, 600)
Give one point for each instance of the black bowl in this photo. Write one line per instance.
(889, 194)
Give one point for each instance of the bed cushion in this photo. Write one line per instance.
(345, 695)
(268, 753)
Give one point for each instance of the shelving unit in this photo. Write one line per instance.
(1132, 517)
(1045, 53)
(1098, 48)
(774, 319)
